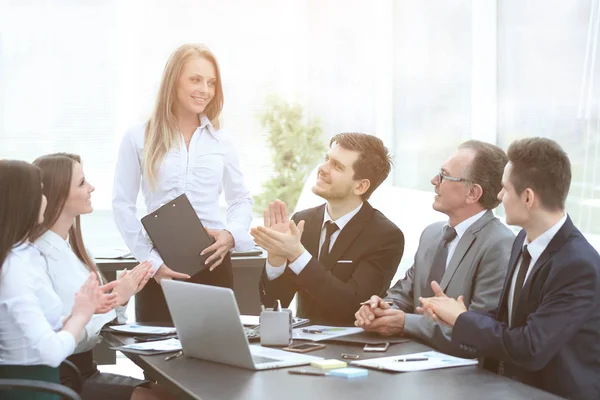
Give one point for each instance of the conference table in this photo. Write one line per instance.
(190, 378)
(246, 275)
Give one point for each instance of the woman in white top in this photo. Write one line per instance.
(181, 149)
(32, 332)
(60, 241)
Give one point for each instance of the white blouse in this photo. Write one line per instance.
(203, 172)
(68, 274)
(30, 312)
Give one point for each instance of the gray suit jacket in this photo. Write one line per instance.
(476, 270)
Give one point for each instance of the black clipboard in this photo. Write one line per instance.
(179, 236)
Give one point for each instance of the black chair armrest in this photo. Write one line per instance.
(39, 386)
(74, 375)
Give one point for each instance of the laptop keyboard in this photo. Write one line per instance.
(252, 334)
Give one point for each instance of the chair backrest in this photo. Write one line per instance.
(39, 382)
(24, 389)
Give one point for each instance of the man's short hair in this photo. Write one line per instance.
(486, 170)
(374, 161)
(543, 166)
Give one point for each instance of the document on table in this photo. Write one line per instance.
(143, 330)
(109, 253)
(415, 362)
(254, 320)
(158, 345)
(250, 320)
(317, 333)
(269, 352)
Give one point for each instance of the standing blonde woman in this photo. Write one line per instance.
(181, 149)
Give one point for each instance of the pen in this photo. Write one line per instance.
(311, 331)
(172, 356)
(306, 372)
(411, 359)
(388, 302)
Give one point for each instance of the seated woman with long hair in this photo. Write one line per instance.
(34, 338)
(59, 239)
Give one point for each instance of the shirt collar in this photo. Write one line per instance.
(537, 246)
(462, 227)
(342, 221)
(21, 246)
(52, 240)
(205, 123)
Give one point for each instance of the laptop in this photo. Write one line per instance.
(208, 324)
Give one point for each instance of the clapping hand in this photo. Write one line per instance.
(441, 308)
(131, 282)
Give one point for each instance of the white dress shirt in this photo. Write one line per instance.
(67, 274)
(460, 229)
(30, 312)
(209, 167)
(298, 265)
(535, 249)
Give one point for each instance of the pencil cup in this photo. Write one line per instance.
(276, 327)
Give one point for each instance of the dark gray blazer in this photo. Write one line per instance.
(476, 270)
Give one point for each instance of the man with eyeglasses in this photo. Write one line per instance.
(468, 254)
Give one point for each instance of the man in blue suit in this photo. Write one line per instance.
(546, 329)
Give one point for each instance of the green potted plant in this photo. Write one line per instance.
(297, 145)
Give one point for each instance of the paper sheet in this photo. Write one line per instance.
(269, 352)
(159, 345)
(435, 360)
(254, 320)
(322, 332)
(143, 330)
(250, 320)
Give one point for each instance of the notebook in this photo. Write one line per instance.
(415, 362)
(178, 235)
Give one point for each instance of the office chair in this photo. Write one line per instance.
(39, 386)
(32, 385)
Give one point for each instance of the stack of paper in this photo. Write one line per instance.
(149, 348)
(143, 330)
(316, 333)
(254, 320)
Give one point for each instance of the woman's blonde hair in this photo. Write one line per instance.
(162, 132)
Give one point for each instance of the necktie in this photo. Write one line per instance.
(525, 261)
(330, 228)
(438, 267)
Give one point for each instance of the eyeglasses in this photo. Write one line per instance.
(441, 177)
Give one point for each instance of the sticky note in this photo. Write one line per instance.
(349, 372)
(328, 364)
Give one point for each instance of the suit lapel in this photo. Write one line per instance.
(310, 240)
(555, 245)
(512, 264)
(348, 234)
(463, 246)
(312, 230)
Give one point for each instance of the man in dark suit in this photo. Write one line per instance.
(338, 254)
(546, 329)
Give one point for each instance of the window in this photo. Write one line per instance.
(424, 76)
(548, 86)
